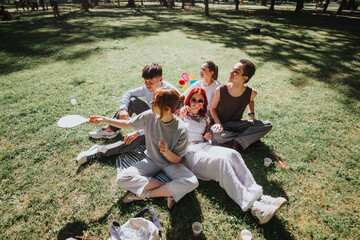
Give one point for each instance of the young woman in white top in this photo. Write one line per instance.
(224, 165)
(209, 75)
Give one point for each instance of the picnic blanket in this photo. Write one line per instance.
(130, 158)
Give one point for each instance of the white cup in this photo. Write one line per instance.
(245, 235)
(197, 228)
(267, 162)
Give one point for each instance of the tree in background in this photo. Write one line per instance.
(86, 5)
(299, 5)
(206, 3)
(326, 5)
(351, 5)
(341, 7)
(131, 4)
(237, 2)
(272, 6)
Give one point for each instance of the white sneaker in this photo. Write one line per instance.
(263, 211)
(103, 133)
(88, 155)
(278, 202)
(130, 197)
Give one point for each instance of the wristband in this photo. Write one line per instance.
(251, 113)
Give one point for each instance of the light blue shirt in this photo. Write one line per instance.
(141, 92)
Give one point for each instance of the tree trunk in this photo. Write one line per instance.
(341, 7)
(131, 4)
(96, 2)
(272, 6)
(299, 5)
(86, 5)
(326, 6)
(237, 5)
(193, 3)
(351, 5)
(263, 2)
(183, 4)
(206, 2)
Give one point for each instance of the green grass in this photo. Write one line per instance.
(308, 83)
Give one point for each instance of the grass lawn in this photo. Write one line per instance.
(308, 83)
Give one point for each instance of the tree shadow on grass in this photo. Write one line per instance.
(77, 228)
(177, 217)
(182, 215)
(323, 48)
(284, 37)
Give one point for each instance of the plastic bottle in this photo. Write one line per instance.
(143, 234)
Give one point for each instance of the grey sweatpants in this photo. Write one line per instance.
(136, 106)
(227, 167)
(119, 147)
(244, 132)
(136, 177)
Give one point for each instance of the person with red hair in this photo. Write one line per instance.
(224, 165)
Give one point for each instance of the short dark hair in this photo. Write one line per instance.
(212, 67)
(152, 70)
(248, 69)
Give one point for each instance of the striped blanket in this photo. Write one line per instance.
(130, 158)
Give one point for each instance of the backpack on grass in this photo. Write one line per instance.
(137, 228)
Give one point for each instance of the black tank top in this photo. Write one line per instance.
(231, 108)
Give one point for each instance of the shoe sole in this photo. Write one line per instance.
(280, 202)
(107, 137)
(270, 216)
(125, 199)
(78, 159)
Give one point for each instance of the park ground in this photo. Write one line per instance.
(309, 88)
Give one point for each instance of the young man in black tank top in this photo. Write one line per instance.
(229, 104)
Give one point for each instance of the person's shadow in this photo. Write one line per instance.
(185, 212)
(178, 216)
(77, 228)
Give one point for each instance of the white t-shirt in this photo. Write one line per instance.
(196, 125)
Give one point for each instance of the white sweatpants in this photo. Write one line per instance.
(136, 177)
(226, 166)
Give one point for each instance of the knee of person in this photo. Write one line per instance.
(234, 153)
(122, 178)
(193, 181)
(133, 99)
(268, 124)
(215, 138)
(236, 156)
